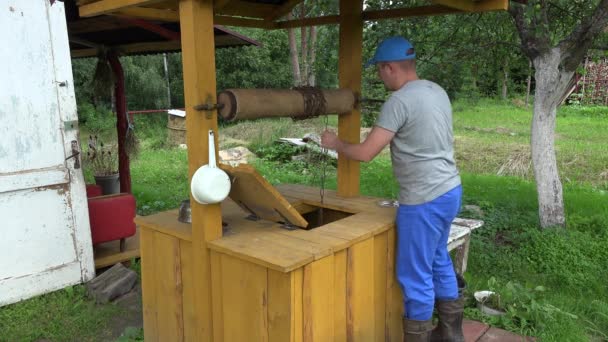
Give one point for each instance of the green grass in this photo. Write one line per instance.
(65, 315)
(569, 264)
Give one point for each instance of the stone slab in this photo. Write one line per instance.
(499, 335)
(473, 330)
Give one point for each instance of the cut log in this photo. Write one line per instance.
(111, 284)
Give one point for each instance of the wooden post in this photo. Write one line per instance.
(349, 75)
(198, 58)
(122, 126)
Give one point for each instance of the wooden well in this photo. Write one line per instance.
(333, 282)
(226, 277)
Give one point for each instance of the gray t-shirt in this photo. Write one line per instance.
(422, 151)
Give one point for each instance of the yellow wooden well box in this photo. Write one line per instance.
(330, 283)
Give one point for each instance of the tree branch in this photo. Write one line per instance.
(526, 35)
(575, 46)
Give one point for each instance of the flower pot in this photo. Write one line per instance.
(110, 184)
(481, 297)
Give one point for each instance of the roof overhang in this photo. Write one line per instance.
(268, 14)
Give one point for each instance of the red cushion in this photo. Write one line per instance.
(111, 217)
(93, 190)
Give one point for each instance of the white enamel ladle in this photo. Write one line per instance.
(210, 184)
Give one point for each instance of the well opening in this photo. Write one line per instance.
(319, 216)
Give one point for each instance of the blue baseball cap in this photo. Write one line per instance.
(393, 49)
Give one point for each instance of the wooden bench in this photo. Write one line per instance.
(460, 239)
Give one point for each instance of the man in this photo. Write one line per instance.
(417, 121)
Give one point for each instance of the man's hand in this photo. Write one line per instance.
(330, 140)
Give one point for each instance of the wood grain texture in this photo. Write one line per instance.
(318, 293)
(169, 288)
(244, 300)
(280, 306)
(189, 287)
(198, 60)
(148, 284)
(349, 76)
(360, 292)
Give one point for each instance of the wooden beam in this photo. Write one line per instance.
(154, 28)
(107, 6)
(282, 10)
(149, 14)
(349, 76)
(325, 20)
(421, 11)
(198, 59)
(219, 4)
(243, 22)
(475, 6)
(130, 48)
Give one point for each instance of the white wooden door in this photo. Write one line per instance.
(45, 239)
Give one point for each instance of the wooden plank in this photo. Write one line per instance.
(108, 253)
(245, 300)
(16, 181)
(349, 76)
(462, 256)
(359, 292)
(219, 4)
(149, 14)
(318, 293)
(380, 275)
(189, 287)
(283, 9)
(169, 283)
(131, 48)
(148, 285)
(297, 303)
(475, 6)
(166, 222)
(340, 297)
(280, 306)
(217, 296)
(323, 20)
(243, 22)
(260, 252)
(421, 11)
(198, 59)
(256, 195)
(247, 9)
(394, 298)
(107, 6)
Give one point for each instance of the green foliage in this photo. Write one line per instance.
(97, 120)
(132, 334)
(279, 152)
(64, 315)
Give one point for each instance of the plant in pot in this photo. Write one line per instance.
(102, 160)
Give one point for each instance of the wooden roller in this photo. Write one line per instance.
(242, 104)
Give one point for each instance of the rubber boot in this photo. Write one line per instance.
(449, 328)
(417, 331)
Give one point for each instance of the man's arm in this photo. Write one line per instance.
(365, 151)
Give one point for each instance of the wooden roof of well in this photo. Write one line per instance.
(269, 14)
(133, 35)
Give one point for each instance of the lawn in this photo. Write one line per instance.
(555, 280)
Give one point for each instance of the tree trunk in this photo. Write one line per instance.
(304, 47)
(293, 53)
(529, 83)
(505, 79)
(312, 55)
(550, 85)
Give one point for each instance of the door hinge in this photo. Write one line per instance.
(75, 154)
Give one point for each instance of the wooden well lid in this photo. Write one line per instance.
(256, 196)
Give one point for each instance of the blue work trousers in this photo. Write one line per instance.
(423, 265)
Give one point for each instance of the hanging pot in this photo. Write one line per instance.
(210, 184)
